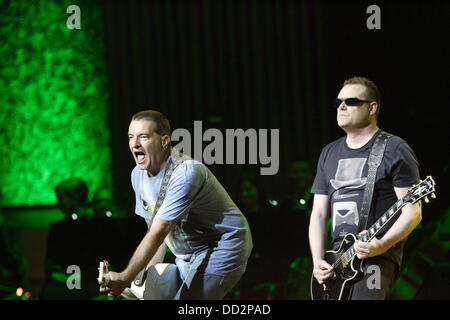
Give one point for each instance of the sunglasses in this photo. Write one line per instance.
(350, 102)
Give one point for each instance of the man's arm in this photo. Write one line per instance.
(410, 217)
(158, 257)
(141, 257)
(318, 237)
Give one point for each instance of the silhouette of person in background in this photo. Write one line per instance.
(251, 199)
(289, 244)
(279, 264)
(300, 177)
(81, 238)
(69, 241)
(72, 197)
(296, 208)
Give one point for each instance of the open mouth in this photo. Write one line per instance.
(140, 156)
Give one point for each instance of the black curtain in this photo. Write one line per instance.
(276, 64)
(231, 64)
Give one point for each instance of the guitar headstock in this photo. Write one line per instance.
(103, 270)
(421, 190)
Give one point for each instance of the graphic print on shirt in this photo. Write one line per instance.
(348, 178)
(148, 197)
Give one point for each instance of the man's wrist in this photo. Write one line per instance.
(317, 259)
(127, 276)
(384, 245)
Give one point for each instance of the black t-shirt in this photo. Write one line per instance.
(342, 174)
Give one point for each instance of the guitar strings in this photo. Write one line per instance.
(390, 213)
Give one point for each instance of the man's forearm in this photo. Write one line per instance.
(144, 252)
(158, 257)
(317, 237)
(405, 224)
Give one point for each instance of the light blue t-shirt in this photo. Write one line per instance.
(207, 217)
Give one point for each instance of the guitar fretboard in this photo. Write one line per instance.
(372, 232)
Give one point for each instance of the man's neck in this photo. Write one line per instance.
(356, 138)
(154, 172)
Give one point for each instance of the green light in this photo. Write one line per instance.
(53, 100)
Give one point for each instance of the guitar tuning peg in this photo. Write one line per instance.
(433, 195)
(427, 200)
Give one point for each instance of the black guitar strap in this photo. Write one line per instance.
(375, 158)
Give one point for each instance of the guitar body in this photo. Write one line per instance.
(138, 289)
(340, 287)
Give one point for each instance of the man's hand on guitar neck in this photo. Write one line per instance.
(369, 249)
(322, 271)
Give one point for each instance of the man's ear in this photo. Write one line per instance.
(373, 108)
(165, 141)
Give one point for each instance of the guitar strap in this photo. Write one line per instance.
(175, 160)
(375, 158)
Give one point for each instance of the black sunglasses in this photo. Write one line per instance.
(350, 102)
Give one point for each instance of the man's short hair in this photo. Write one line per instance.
(372, 91)
(162, 123)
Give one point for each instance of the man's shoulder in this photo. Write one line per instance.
(191, 168)
(394, 142)
(192, 164)
(338, 143)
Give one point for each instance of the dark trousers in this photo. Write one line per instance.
(380, 274)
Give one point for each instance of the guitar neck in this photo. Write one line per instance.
(378, 225)
(385, 218)
(414, 194)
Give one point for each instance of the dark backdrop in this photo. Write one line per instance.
(277, 64)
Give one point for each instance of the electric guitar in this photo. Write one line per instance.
(347, 267)
(137, 288)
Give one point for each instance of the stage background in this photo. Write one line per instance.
(67, 95)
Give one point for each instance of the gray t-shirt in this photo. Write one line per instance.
(342, 174)
(207, 217)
